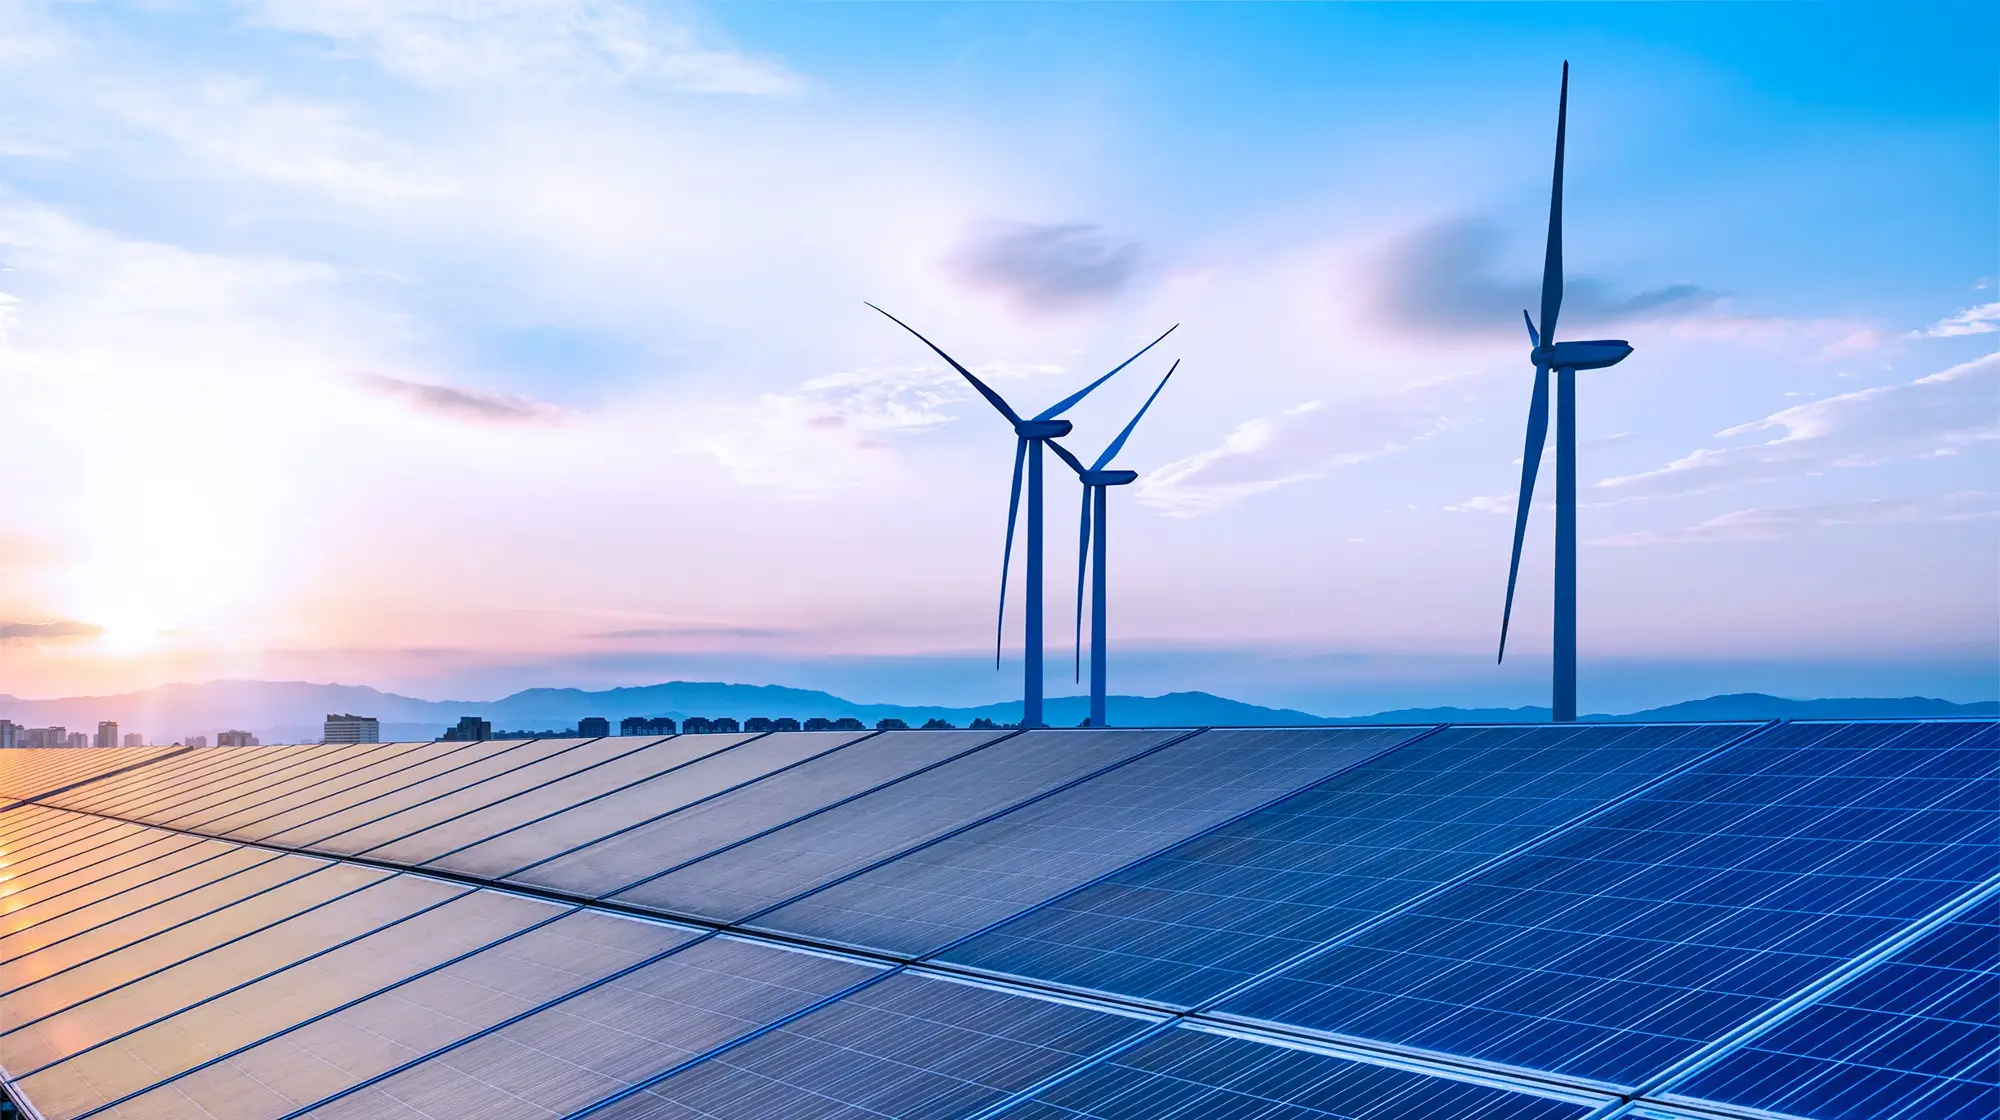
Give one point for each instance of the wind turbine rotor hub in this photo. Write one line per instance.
(1042, 429)
(1110, 478)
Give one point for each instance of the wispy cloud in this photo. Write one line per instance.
(655, 633)
(479, 42)
(1443, 278)
(1304, 442)
(46, 631)
(1941, 414)
(470, 405)
(833, 431)
(1777, 523)
(1984, 319)
(1044, 267)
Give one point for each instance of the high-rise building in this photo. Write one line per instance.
(351, 729)
(468, 729)
(642, 725)
(235, 739)
(593, 726)
(195, 741)
(10, 734)
(107, 734)
(48, 736)
(78, 740)
(134, 739)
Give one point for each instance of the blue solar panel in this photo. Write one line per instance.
(1621, 946)
(1915, 1036)
(1195, 1075)
(1189, 923)
(910, 1047)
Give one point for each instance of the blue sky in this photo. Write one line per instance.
(459, 345)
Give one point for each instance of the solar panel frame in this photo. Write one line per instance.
(193, 768)
(209, 803)
(238, 772)
(84, 912)
(356, 785)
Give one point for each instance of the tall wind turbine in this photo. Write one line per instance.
(1029, 436)
(1565, 358)
(1096, 484)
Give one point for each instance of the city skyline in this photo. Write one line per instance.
(454, 359)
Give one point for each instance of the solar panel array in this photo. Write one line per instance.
(1579, 921)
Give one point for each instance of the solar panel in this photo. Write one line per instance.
(910, 1047)
(234, 767)
(695, 830)
(266, 772)
(339, 1050)
(26, 773)
(1197, 1075)
(251, 821)
(1246, 896)
(1914, 1036)
(154, 881)
(130, 1062)
(1627, 943)
(962, 884)
(608, 1038)
(741, 880)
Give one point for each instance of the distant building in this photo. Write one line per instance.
(195, 741)
(235, 739)
(891, 723)
(646, 725)
(469, 729)
(696, 725)
(351, 729)
(10, 734)
(134, 739)
(107, 734)
(784, 723)
(591, 727)
(46, 736)
(936, 724)
(78, 740)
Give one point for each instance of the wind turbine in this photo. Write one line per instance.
(1029, 436)
(1096, 484)
(1565, 358)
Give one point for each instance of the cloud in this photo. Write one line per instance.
(1304, 442)
(1776, 523)
(485, 42)
(831, 432)
(469, 405)
(1984, 319)
(1442, 278)
(46, 631)
(1941, 414)
(1044, 267)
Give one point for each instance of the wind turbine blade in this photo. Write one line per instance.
(1552, 265)
(1062, 453)
(986, 391)
(1118, 443)
(1534, 337)
(1013, 508)
(1063, 405)
(1531, 461)
(1082, 561)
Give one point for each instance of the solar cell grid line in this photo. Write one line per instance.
(616, 1035)
(908, 1046)
(360, 783)
(748, 877)
(1192, 1074)
(1913, 1035)
(956, 886)
(301, 826)
(690, 831)
(129, 1064)
(28, 773)
(367, 1038)
(203, 772)
(190, 807)
(50, 836)
(480, 822)
(116, 850)
(415, 818)
(1620, 947)
(32, 1045)
(78, 913)
(117, 965)
(565, 826)
(1253, 893)
(111, 793)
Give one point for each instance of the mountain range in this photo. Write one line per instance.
(291, 711)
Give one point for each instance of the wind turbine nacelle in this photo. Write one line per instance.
(1583, 355)
(1109, 478)
(1042, 429)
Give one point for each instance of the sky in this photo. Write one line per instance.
(459, 346)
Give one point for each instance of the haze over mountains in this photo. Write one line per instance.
(291, 711)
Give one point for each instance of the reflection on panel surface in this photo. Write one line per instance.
(1625, 944)
(967, 882)
(1915, 1036)
(609, 1038)
(910, 1047)
(1244, 897)
(745, 879)
(1194, 1075)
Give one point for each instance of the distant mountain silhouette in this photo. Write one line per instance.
(291, 711)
